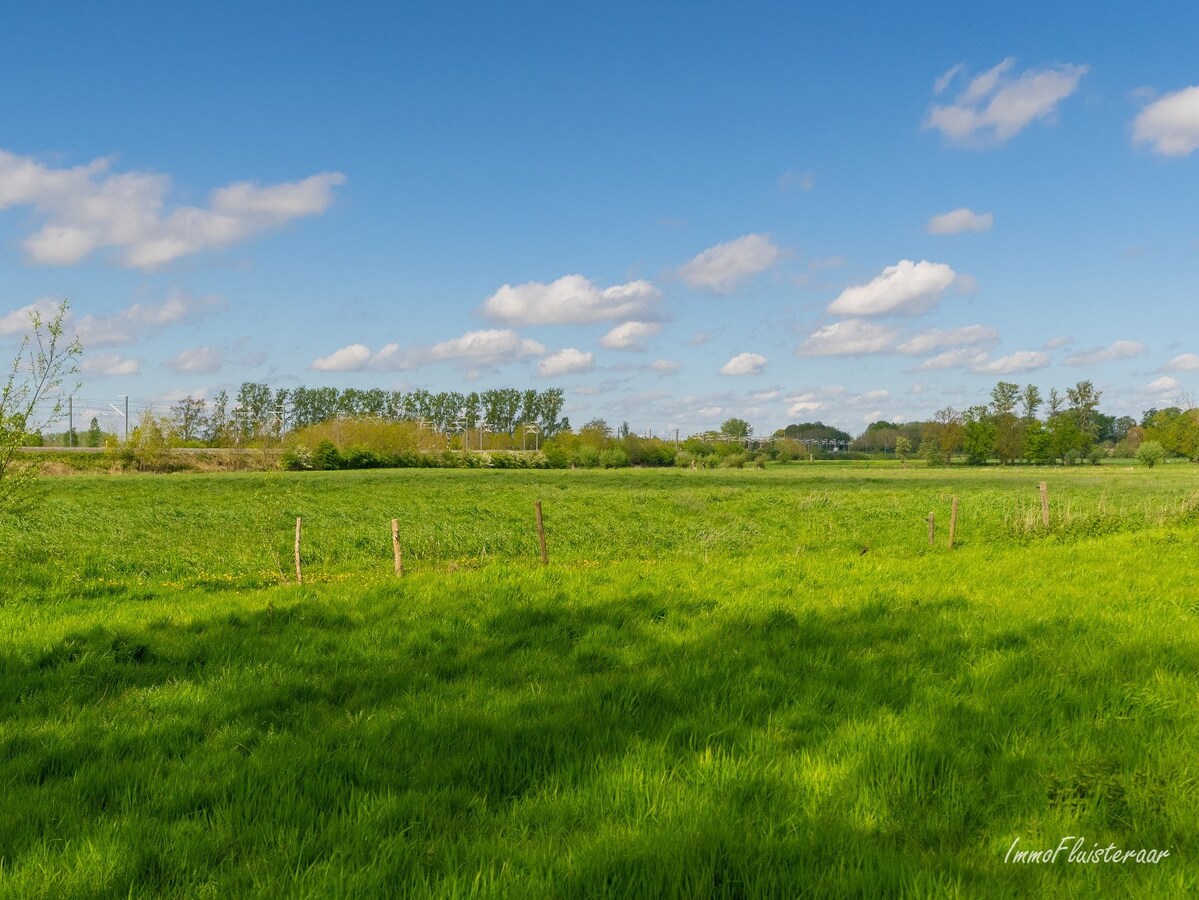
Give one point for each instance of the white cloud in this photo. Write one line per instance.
(104, 365)
(136, 321)
(744, 364)
(1170, 124)
(906, 288)
(1014, 364)
(944, 81)
(804, 403)
(566, 362)
(869, 398)
(1117, 351)
(960, 221)
(630, 335)
(145, 319)
(1165, 384)
(1187, 362)
(937, 339)
(830, 397)
(1058, 342)
(995, 106)
(960, 357)
(86, 209)
(664, 366)
(850, 337)
(347, 359)
(487, 347)
(571, 300)
(170, 398)
(17, 321)
(723, 267)
(197, 361)
(484, 348)
(980, 361)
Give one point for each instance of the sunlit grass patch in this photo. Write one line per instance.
(710, 691)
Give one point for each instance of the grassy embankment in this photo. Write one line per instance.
(725, 684)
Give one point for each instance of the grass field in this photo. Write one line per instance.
(725, 684)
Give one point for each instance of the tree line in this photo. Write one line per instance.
(257, 412)
(1019, 424)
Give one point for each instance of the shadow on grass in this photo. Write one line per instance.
(599, 748)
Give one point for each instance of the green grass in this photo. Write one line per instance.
(726, 684)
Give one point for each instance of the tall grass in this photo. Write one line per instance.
(712, 691)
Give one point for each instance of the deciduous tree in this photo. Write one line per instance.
(45, 358)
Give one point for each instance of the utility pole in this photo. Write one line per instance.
(124, 415)
(70, 420)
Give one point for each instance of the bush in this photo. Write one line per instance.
(326, 456)
(555, 456)
(120, 452)
(1095, 456)
(614, 458)
(587, 456)
(359, 458)
(684, 459)
(502, 459)
(297, 459)
(1150, 453)
(1072, 457)
(734, 461)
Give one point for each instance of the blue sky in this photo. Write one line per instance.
(782, 212)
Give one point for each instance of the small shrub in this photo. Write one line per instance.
(297, 459)
(502, 459)
(326, 457)
(587, 456)
(555, 456)
(614, 458)
(1150, 453)
(359, 458)
(684, 459)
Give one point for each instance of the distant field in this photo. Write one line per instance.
(725, 684)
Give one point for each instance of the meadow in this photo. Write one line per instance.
(725, 683)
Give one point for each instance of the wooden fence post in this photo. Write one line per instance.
(932, 528)
(395, 547)
(541, 534)
(299, 573)
(953, 522)
(1044, 504)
